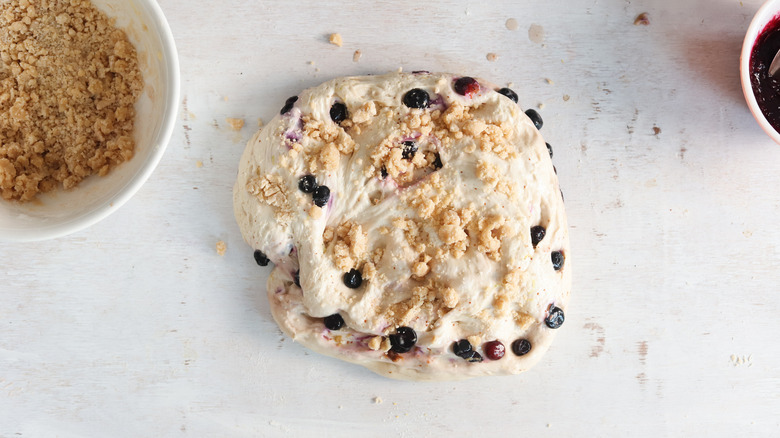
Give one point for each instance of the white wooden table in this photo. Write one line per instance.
(137, 327)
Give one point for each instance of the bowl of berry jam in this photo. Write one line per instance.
(762, 91)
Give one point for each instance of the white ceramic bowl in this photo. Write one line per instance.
(62, 212)
(765, 14)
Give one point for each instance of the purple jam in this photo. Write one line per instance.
(765, 88)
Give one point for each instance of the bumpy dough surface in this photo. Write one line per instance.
(432, 206)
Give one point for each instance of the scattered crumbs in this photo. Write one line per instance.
(510, 84)
(656, 130)
(395, 403)
(377, 400)
(317, 69)
(738, 360)
(642, 19)
(566, 97)
(336, 40)
(356, 56)
(260, 122)
(549, 425)
(221, 248)
(492, 57)
(311, 62)
(536, 33)
(341, 407)
(225, 98)
(199, 164)
(511, 24)
(549, 81)
(235, 124)
(540, 106)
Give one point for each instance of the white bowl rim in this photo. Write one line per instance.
(765, 13)
(142, 175)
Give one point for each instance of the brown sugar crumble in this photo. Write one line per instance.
(235, 124)
(69, 80)
(642, 19)
(336, 40)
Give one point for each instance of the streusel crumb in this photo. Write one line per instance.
(235, 124)
(69, 80)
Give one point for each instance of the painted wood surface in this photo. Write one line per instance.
(137, 327)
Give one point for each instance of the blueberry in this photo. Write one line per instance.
(307, 184)
(403, 340)
(410, 148)
(416, 98)
(334, 322)
(535, 117)
(557, 260)
(476, 357)
(554, 317)
(462, 348)
(437, 164)
(521, 347)
(508, 93)
(338, 112)
(466, 86)
(288, 105)
(549, 149)
(321, 196)
(353, 279)
(384, 172)
(494, 350)
(537, 234)
(261, 258)
(297, 278)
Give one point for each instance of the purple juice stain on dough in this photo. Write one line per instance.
(294, 135)
(438, 103)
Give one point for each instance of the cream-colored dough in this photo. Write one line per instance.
(444, 250)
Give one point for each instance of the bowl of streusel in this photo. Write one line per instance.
(89, 94)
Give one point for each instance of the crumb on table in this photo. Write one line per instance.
(235, 124)
(221, 247)
(336, 40)
(642, 19)
(356, 56)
